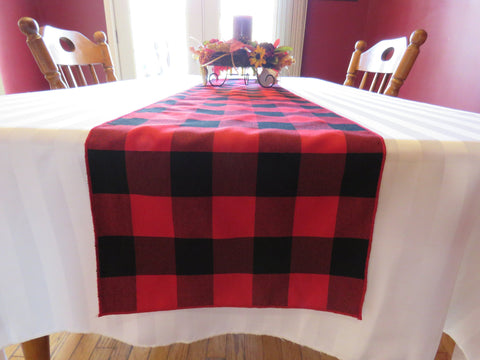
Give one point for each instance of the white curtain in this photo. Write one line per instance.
(290, 29)
(202, 19)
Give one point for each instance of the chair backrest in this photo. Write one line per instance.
(385, 65)
(67, 58)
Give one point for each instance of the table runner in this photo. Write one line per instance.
(238, 196)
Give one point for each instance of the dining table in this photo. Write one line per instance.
(424, 261)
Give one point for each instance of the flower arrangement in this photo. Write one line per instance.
(234, 53)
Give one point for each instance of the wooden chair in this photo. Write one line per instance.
(67, 58)
(390, 60)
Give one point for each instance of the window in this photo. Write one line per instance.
(158, 37)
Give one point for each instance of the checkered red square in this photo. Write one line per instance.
(233, 217)
(156, 291)
(155, 256)
(274, 216)
(235, 174)
(315, 216)
(194, 291)
(192, 217)
(270, 290)
(329, 142)
(111, 211)
(308, 291)
(345, 295)
(233, 290)
(148, 173)
(351, 214)
(236, 138)
(233, 255)
(117, 295)
(311, 255)
(151, 216)
(146, 138)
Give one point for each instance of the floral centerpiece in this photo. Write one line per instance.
(224, 55)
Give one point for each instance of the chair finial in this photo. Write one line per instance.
(360, 45)
(28, 26)
(100, 37)
(418, 37)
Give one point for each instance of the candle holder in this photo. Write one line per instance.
(242, 28)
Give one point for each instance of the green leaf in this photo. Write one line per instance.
(283, 49)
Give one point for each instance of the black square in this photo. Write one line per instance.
(277, 174)
(108, 171)
(128, 121)
(215, 104)
(270, 113)
(347, 127)
(349, 257)
(116, 256)
(194, 256)
(210, 112)
(200, 123)
(361, 175)
(158, 109)
(328, 114)
(271, 255)
(264, 105)
(191, 173)
(275, 125)
(169, 102)
(311, 107)
(299, 101)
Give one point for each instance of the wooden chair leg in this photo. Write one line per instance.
(37, 349)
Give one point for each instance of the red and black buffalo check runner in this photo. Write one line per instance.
(236, 196)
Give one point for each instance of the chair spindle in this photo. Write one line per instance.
(374, 82)
(93, 73)
(364, 80)
(81, 81)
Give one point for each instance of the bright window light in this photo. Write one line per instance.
(159, 34)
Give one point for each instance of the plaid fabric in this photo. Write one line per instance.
(236, 196)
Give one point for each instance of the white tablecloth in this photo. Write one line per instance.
(424, 265)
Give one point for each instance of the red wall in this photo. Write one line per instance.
(19, 71)
(331, 31)
(445, 70)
